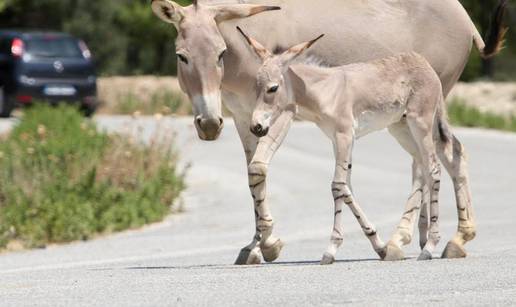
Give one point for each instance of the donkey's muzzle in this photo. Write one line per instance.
(259, 130)
(209, 129)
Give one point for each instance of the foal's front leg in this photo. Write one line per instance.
(251, 253)
(258, 165)
(343, 195)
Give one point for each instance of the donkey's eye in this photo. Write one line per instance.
(273, 89)
(182, 58)
(221, 56)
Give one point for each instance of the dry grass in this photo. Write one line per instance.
(492, 97)
(147, 95)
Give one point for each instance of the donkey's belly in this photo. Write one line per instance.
(374, 120)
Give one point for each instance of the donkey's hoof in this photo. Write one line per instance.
(453, 251)
(327, 259)
(425, 255)
(272, 252)
(393, 253)
(248, 257)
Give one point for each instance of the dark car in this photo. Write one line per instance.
(44, 66)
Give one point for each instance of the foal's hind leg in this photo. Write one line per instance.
(424, 219)
(453, 156)
(405, 229)
(421, 126)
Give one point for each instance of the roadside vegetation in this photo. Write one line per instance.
(461, 114)
(62, 180)
(146, 95)
(166, 102)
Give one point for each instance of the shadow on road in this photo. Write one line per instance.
(237, 267)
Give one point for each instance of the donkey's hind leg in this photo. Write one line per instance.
(453, 156)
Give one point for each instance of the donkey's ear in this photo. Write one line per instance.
(168, 11)
(260, 50)
(292, 53)
(235, 11)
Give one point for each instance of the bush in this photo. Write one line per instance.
(62, 180)
(462, 115)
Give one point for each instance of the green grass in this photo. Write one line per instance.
(62, 180)
(460, 114)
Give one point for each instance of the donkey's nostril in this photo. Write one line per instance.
(221, 121)
(258, 128)
(199, 121)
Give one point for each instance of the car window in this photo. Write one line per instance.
(52, 47)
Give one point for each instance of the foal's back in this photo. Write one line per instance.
(382, 91)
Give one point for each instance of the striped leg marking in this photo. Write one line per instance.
(434, 184)
(453, 156)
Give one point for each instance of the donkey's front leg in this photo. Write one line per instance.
(343, 195)
(269, 245)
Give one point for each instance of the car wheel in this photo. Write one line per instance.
(88, 110)
(6, 106)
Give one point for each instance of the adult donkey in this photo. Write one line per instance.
(215, 65)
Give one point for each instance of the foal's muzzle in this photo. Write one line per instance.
(259, 130)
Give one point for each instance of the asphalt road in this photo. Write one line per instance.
(187, 259)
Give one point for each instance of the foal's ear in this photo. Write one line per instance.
(235, 11)
(168, 11)
(260, 50)
(297, 50)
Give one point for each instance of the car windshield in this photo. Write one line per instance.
(53, 47)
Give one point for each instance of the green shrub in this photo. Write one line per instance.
(62, 180)
(462, 115)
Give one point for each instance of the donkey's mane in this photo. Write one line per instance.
(312, 60)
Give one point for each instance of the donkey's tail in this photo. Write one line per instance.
(496, 37)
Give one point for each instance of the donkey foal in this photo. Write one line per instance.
(402, 93)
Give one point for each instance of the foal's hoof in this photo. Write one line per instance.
(272, 252)
(248, 257)
(453, 251)
(382, 252)
(393, 253)
(422, 244)
(425, 255)
(327, 259)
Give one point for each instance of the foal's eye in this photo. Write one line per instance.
(221, 56)
(182, 58)
(273, 89)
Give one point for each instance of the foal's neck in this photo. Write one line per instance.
(304, 79)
